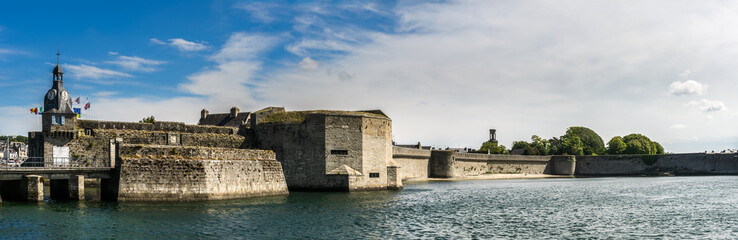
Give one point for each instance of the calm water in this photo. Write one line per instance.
(643, 207)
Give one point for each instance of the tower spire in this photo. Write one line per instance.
(58, 73)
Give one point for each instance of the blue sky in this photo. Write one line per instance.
(445, 71)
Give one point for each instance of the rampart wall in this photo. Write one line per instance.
(413, 163)
(157, 126)
(181, 173)
(449, 164)
(147, 179)
(176, 138)
(691, 163)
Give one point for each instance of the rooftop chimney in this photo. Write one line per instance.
(234, 112)
(204, 113)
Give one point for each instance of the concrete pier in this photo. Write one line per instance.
(68, 189)
(77, 188)
(33, 188)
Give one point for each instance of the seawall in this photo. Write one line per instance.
(685, 164)
(177, 173)
(413, 162)
(450, 164)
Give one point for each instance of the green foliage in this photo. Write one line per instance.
(537, 146)
(638, 144)
(520, 145)
(616, 145)
(592, 142)
(572, 145)
(493, 148)
(19, 138)
(149, 119)
(658, 147)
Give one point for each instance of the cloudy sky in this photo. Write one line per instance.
(444, 71)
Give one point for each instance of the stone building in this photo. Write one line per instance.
(321, 150)
(58, 126)
(160, 161)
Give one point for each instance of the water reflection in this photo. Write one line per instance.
(669, 207)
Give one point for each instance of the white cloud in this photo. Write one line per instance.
(678, 126)
(707, 105)
(308, 63)
(181, 44)
(136, 63)
(112, 53)
(105, 93)
(186, 46)
(689, 87)
(225, 84)
(92, 72)
(157, 41)
(258, 10)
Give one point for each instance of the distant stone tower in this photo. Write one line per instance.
(493, 135)
(58, 115)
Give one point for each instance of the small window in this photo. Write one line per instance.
(339, 152)
(62, 120)
(374, 175)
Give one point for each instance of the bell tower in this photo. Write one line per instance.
(58, 115)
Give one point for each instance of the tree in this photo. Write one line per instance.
(541, 146)
(149, 119)
(555, 146)
(659, 148)
(493, 148)
(616, 145)
(520, 145)
(638, 144)
(592, 142)
(572, 145)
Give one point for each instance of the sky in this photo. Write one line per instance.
(444, 71)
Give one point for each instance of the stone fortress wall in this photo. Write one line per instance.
(330, 150)
(420, 163)
(169, 161)
(413, 162)
(681, 164)
(187, 173)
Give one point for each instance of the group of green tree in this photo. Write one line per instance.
(18, 138)
(579, 141)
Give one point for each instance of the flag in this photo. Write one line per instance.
(41, 109)
(87, 105)
(34, 111)
(77, 101)
(78, 111)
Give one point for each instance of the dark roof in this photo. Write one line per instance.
(57, 70)
(224, 119)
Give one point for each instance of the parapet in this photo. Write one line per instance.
(156, 126)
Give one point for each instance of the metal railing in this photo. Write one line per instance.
(54, 163)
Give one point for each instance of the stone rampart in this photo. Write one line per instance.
(473, 164)
(157, 126)
(146, 179)
(413, 163)
(175, 138)
(132, 151)
(450, 164)
(691, 163)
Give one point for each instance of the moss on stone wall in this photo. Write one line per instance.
(300, 116)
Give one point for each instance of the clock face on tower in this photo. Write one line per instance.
(51, 94)
(64, 95)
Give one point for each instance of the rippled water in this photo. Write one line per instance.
(628, 207)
